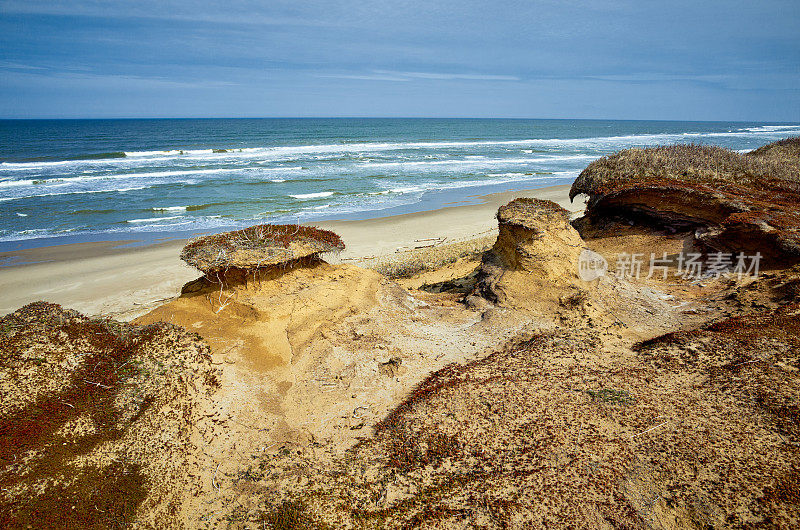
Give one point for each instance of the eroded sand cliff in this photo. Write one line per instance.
(500, 389)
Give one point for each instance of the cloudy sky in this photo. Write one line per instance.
(638, 59)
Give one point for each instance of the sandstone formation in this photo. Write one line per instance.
(535, 258)
(733, 202)
(259, 246)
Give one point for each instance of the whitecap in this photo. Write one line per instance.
(152, 219)
(15, 183)
(170, 209)
(318, 195)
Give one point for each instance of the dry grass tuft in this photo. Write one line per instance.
(692, 163)
(406, 264)
(259, 246)
(787, 150)
(731, 202)
(528, 212)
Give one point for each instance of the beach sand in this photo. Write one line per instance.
(122, 281)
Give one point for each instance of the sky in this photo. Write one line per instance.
(640, 59)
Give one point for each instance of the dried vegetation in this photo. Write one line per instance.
(259, 246)
(734, 202)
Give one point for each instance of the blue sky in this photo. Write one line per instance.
(697, 60)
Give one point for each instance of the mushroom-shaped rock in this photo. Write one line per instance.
(535, 258)
(734, 202)
(259, 246)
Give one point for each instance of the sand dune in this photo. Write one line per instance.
(432, 379)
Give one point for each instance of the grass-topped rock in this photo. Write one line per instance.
(735, 202)
(259, 246)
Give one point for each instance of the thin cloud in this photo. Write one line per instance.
(448, 76)
(7, 65)
(394, 75)
(120, 80)
(365, 77)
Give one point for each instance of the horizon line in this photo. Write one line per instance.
(143, 118)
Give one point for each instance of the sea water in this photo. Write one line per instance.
(81, 180)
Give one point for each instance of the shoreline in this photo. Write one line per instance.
(429, 201)
(115, 278)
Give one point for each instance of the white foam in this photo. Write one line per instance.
(19, 166)
(499, 178)
(161, 174)
(410, 189)
(507, 174)
(486, 162)
(136, 158)
(45, 187)
(15, 183)
(318, 195)
(118, 176)
(75, 192)
(170, 209)
(172, 153)
(772, 128)
(151, 219)
(186, 223)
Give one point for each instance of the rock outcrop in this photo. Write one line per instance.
(535, 258)
(259, 246)
(734, 202)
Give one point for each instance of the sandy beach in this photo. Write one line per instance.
(115, 279)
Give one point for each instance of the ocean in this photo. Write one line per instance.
(89, 180)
